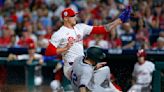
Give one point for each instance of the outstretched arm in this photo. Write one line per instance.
(123, 17)
(112, 25)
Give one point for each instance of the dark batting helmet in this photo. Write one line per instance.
(95, 53)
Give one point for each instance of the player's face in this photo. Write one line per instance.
(72, 20)
(31, 51)
(141, 60)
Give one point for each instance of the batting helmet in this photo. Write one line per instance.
(141, 53)
(95, 53)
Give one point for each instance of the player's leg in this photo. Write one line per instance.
(67, 70)
(56, 83)
(56, 86)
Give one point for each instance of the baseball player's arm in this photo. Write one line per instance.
(83, 89)
(123, 17)
(85, 79)
(11, 57)
(41, 61)
(99, 65)
(52, 50)
(105, 28)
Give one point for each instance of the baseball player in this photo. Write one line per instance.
(68, 39)
(142, 74)
(90, 74)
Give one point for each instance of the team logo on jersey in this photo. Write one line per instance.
(71, 39)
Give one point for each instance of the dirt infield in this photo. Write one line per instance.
(23, 88)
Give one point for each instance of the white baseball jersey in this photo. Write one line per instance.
(60, 39)
(143, 72)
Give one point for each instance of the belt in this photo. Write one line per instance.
(66, 62)
(143, 83)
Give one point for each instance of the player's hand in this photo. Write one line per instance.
(31, 58)
(69, 45)
(41, 62)
(99, 65)
(11, 57)
(125, 15)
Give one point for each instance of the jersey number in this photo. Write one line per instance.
(74, 79)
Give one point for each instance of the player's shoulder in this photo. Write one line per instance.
(77, 60)
(149, 63)
(60, 32)
(80, 25)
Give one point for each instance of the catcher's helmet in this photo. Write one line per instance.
(95, 53)
(141, 53)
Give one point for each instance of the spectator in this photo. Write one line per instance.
(148, 17)
(25, 39)
(161, 34)
(67, 4)
(45, 19)
(160, 44)
(49, 32)
(114, 40)
(31, 32)
(13, 15)
(5, 39)
(42, 41)
(14, 41)
(161, 23)
(99, 41)
(142, 35)
(128, 38)
(113, 11)
(156, 18)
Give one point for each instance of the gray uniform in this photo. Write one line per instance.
(94, 80)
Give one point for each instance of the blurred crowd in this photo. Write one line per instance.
(33, 21)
